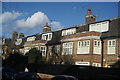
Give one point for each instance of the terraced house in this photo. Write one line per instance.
(95, 43)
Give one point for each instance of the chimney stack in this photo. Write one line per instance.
(21, 35)
(46, 28)
(89, 17)
(14, 36)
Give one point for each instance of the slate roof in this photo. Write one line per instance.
(114, 29)
(55, 38)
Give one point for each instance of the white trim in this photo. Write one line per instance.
(67, 47)
(99, 27)
(82, 63)
(97, 47)
(83, 47)
(96, 64)
(68, 31)
(47, 36)
(79, 38)
(34, 44)
(18, 42)
(111, 47)
(32, 38)
(44, 50)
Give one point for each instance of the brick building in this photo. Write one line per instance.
(95, 43)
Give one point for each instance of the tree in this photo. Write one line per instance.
(55, 56)
(68, 59)
(35, 56)
(16, 61)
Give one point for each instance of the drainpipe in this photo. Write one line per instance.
(102, 52)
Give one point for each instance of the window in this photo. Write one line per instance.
(57, 48)
(82, 63)
(111, 46)
(47, 36)
(18, 42)
(68, 31)
(43, 50)
(96, 64)
(50, 50)
(31, 38)
(111, 43)
(3, 41)
(99, 27)
(84, 43)
(83, 47)
(97, 43)
(67, 48)
(97, 47)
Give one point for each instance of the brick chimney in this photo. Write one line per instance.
(14, 36)
(46, 28)
(21, 35)
(89, 17)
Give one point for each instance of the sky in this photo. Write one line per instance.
(30, 17)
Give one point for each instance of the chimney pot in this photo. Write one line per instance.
(89, 11)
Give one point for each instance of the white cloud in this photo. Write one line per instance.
(9, 16)
(55, 25)
(31, 25)
(37, 19)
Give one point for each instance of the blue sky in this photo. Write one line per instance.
(30, 17)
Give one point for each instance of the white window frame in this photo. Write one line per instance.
(3, 41)
(31, 38)
(69, 31)
(43, 50)
(67, 48)
(111, 45)
(99, 27)
(83, 44)
(82, 63)
(47, 36)
(18, 42)
(96, 64)
(97, 44)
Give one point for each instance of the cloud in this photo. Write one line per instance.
(37, 19)
(55, 25)
(30, 25)
(9, 16)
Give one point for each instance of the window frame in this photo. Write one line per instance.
(110, 45)
(97, 44)
(96, 64)
(68, 31)
(47, 36)
(43, 50)
(83, 44)
(32, 38)
(67, 47)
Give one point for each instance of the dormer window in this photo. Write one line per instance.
(47, 36)
(69, 31)
(31, 38)
(18, 42)
(99, 27)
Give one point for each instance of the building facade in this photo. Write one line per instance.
(95, 43)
